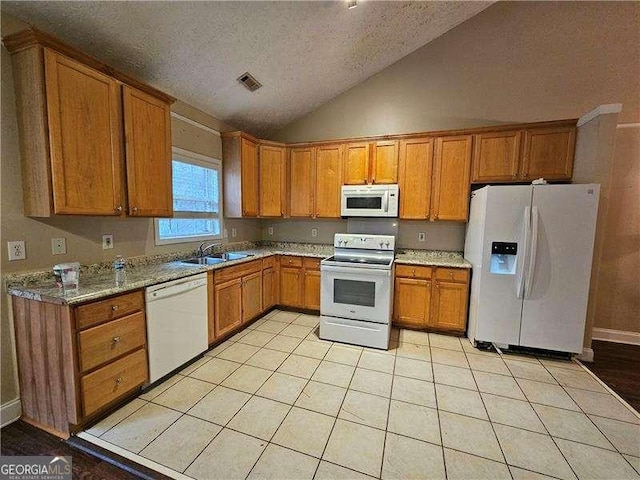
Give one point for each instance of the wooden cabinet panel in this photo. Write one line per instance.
(311, 263)
(113, 381)
(548, 153)
(450, 306)
(291, 287)
(302, 181)
(251, 296)
(328, 177)
(272, 180)
(83, 108)
(496, 157)
(268, 288)
(412, 299)
(451, 182)
(356, 164)
(452, 274)
(110, 340)
(211, 308)
(228, 306)
(249, 178)
(312, 289)
(101, 311)
(415, 178)
(385, 162)
(229, 273)
(147, 126)
(290, 261)
(413, 271)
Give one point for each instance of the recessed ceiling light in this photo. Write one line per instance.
(352, 4)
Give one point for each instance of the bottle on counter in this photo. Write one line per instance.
(120, 271)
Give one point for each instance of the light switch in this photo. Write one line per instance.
(314, 232)
(422, 236)
(270, 230)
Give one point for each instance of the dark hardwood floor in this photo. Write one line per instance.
(618, 365)
(20, 438)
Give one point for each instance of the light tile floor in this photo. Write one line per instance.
(275, 401)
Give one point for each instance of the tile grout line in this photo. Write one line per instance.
(435, 394)
(386, 427)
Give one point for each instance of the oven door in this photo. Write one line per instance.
(357, 293)
(365, 203)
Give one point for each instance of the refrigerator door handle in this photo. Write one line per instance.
(535, 217)
(522, 259)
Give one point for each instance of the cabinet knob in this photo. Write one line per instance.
(118, 380)
(119, 208)
(435, 216)
(414, 272)
(515, 175)
(134, 209)
(451, 275)
(437, 284)
(115, 340)
(114, 307)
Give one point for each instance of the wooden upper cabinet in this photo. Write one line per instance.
(240, 171)
(83, 108)
(384, 168)
(548, 153)
(451, 182)
(249, 176)
(496, 157)
(415, 178)
(302, 182)
(356, 164)
(272, 180)
(328, 178)
(147, 126)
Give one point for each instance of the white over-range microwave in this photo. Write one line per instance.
(369, 201)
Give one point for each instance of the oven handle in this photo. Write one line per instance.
(365, 272)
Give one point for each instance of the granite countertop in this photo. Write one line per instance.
(97, 281)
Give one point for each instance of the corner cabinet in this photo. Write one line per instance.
(240, 172)
(78, 156)
(300, 282)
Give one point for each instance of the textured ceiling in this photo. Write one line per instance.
(303, 53)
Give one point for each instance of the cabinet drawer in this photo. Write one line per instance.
(109, 309)
(112, 381)
(311, 263)
(268, 262)
(237, 271)
(105, 342)
(413, 271)
(288, 261)
(452, 274)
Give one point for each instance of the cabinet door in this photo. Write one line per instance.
(548, 153)
(312, 290)
(291, 287)
(415, 178)
(411, 302)
(272, 173)
(249, 177)
(268, 289)
(356, 164)
(328, 181)
(449, 306)
(211, 310)
(147, 132)
(85, 137)
(451, 171)
(302, 174)
(228, 306)
(385, 162)
(251, 296)
(495, 157)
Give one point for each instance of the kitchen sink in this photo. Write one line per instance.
(217, 258)
(231, 255)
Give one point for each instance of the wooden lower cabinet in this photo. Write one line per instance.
(291, 286)
(251, 296)
(312, 290)
(300, 282)
(431, 298)
(228, 306)
(269, 283)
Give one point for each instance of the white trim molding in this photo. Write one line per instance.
(10, 412)
(600, 110)
(201, 126)
(617, 336)
(586, 355)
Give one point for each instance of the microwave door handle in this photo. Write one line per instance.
(386, 202)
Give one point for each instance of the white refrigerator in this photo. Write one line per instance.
(531, 247)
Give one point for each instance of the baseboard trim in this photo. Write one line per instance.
(10, 412)
(617, 336)
(586, 355)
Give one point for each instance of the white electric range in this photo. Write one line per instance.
(357, 289)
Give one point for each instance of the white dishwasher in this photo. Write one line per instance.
(176, 323)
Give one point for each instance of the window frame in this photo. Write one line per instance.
(187, 156)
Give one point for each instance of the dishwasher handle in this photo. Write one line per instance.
(173, 289)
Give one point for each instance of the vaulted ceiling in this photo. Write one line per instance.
(304, 53)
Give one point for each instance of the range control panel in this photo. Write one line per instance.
(364, 241)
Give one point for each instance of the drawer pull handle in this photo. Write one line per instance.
(115, 340)
(414, 272)
(114, 307)
(118, 380)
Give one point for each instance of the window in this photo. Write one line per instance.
(197, 210)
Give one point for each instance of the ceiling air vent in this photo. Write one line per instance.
(249, 82)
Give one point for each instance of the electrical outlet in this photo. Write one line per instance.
(107, 241)
(225, 234)
(270, 230)
(422, 236)
(314, 232)
(17, 250)
(58, 246)
(234, 232)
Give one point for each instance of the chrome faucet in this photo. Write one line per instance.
(202, 248)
